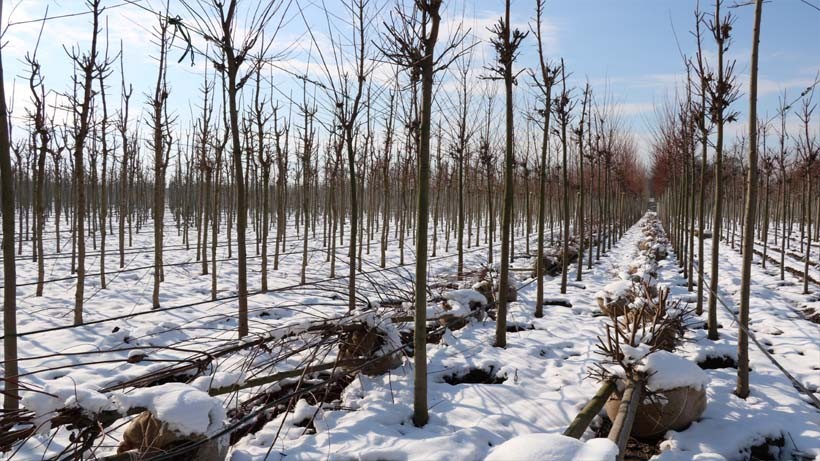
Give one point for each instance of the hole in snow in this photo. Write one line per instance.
(636, 449)
(557, 302)
(718, 362)
(769, 450)
(516, 327)
(475, 376)
(811, 315)
(307, 423)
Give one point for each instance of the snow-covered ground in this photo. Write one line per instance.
(544, 367)
(775, 409)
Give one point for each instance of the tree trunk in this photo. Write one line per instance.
(420, 415)
(717, 217)
(10, 388)
(506, 60)
(89, 68)
(742, 389)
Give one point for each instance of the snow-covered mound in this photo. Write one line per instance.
(553, 447)
(186, 409)
(669, 371)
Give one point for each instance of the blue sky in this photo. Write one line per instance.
(625, 47)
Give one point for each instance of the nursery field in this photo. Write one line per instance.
(183, 364)
(416, 230)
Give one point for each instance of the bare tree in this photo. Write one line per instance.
(562, 106)
(160, 143)
(750, 211)
(506, 43)
(218, 19)
(545, 82)
(10, 387)
(307, 138)
(722, 92)
(41, 137)
(460, 154)
(90, 67)
(124, 165)
(411, 40)
(579, 132)
(781, 164)
(265, 161)
(702, 121)
(103, 205)
(809, 150)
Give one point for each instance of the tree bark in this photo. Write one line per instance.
(742, 389)
(89, 67)
(10, 388)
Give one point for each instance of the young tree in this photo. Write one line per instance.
(742, 389)
(506, 43)
(545, 83)
(307, 138)
(385, 165)
(124, 165)
(460, 153)
(411, 40)
(41, 137)
(488, 160)
(781, 159)
(90, 67)
(580, 133)
(702, 121)
(722, 92)
(219, 21)
(103, 205)
(280, 135)
(347, 99)
(809, 150)
(10, 379)
(160, 143)
(562, 106)
(265, 161)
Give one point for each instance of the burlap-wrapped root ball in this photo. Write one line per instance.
(674, 396)
(673, 409)
(147, 436)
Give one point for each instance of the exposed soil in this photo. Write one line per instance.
(475, 376)
(636, 449)
(769, 450)
(718, 362)
(812, 315)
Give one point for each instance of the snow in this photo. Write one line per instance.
(184, 408)
(731, 425)
(668, 371)
(553, 447)
(457, 304)
(390, 334)
(635, 354)
(547, 367)
(615, 290)
(219, 379)
(465, 297)
(63, 393)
